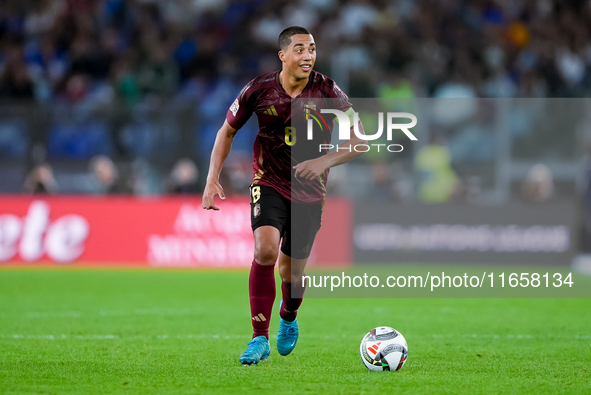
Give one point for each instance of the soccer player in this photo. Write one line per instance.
(287, 191)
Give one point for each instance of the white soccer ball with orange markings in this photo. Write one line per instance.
(383, 348)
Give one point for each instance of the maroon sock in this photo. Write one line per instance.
(261, 289)
(291, 301)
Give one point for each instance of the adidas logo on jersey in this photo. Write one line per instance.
(270, 111)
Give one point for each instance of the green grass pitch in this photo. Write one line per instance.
(88, 331)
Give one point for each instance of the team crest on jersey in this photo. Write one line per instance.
(234, 107)
(311, 113)
(256, 211)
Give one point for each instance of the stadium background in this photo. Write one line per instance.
(125, 98)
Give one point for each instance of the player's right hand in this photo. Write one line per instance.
(211, 189)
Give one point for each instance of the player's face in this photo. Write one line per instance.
(299, 57)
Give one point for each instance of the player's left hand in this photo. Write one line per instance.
(311, 169)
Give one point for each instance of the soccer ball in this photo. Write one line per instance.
(383, 348)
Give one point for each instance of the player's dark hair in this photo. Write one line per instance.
(285, 36)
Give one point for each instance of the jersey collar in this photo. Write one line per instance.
(280, 87)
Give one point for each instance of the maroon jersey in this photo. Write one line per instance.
(281, 142)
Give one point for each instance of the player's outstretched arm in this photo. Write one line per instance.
(221, 149)
(314, 168)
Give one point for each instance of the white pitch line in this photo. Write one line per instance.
(102, 313)
(245, 336)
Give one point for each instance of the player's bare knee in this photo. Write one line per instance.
(265, 254)
(288, 276)
(285, 273)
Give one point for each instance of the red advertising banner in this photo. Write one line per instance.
(158, 232)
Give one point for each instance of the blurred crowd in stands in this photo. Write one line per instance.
(67, 49)
(131, 81)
